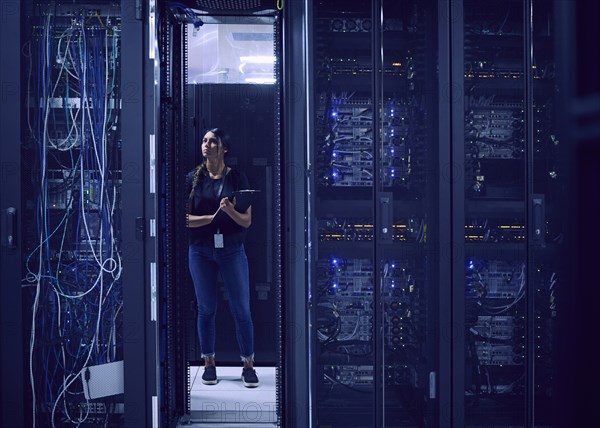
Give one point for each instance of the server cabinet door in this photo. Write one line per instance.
(407, 221)
(547, 216)
(372, 279)
(341, 217)
(495, 283)
(76, 175)
(12, 361)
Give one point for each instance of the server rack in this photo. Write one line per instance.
(513, 188)
(495, 237)
(373, 265)
(73, 218)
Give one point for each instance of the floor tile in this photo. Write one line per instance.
(229, 401)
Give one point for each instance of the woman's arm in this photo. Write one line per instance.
(243, 219)
(198, 220)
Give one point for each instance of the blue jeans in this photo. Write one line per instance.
(205, 263)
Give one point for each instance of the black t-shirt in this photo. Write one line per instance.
(205, 201)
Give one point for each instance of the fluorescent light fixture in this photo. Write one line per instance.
(261, 80)
(257, 59)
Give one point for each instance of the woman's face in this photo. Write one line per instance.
(212, 147)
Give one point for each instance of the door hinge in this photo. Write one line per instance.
(138, 10)
(432, 385)
(152, 163)
(153, 291)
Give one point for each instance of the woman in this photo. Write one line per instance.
(217, 245)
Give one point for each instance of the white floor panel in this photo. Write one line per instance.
(229, 401)
(225, 425)
(193, 373)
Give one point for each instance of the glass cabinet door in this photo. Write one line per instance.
(407, 193)
(342, 277)
(513, 222)
(372, 205)
(513, 218)
(495, 166)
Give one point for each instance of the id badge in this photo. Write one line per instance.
(219, 240)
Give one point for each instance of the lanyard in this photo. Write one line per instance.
(219, 236)
(223, 174)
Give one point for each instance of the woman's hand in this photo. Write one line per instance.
(227, 205)
(242, 219)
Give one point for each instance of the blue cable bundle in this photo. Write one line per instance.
(73, 268)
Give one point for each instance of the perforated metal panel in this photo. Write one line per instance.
(232, 5)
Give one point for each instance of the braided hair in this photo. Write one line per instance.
(201, 170)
